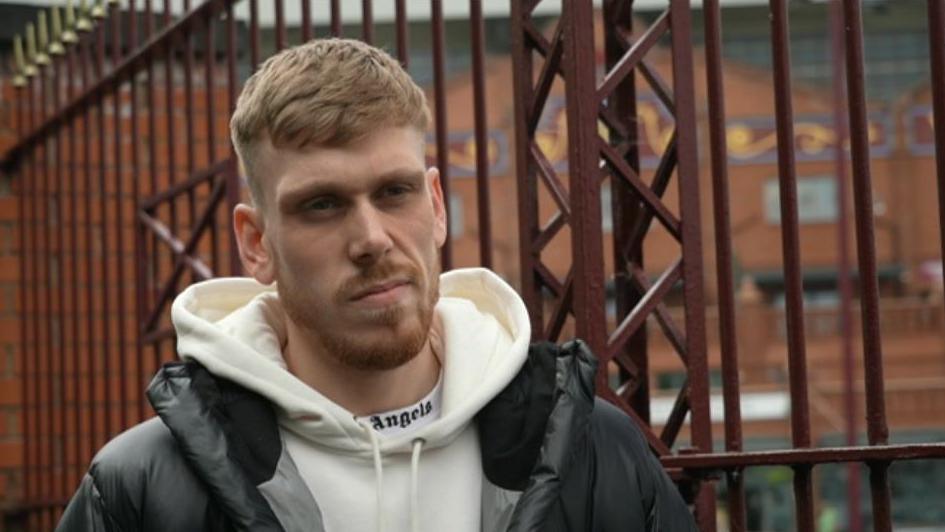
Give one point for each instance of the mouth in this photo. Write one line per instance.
(381, 292)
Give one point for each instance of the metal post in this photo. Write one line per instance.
(843, 260)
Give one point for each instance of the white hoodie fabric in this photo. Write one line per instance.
(428, 479)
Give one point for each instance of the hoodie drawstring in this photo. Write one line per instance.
(378, 476)
(417, 448)
(415, 485)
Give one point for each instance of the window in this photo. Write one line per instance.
(457, 221)
(673, 380)
(606, 211)
(816, 200)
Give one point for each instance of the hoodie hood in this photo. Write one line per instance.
(235, 327)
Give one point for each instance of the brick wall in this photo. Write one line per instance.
(69, 424)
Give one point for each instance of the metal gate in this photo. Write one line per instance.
(597, 154)
(126, 179)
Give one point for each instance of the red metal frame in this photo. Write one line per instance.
(72, 167)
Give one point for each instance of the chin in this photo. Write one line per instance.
(382, 355)
(378, 347)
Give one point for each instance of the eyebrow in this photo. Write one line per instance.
(293, 196)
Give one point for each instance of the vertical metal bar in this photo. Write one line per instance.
(688, 176)
(863, 209)
(149, 19)
(170, 165)
(132, 25)
(90, 292)
(34, 412)
(57, 226)
(21, 99)
(27, 245)
(626, 209)
(190, 134)
(253, 34)
(45, 400)
(442, 145)
(33, 440)
(367, 22)
(22, 289)
(336, 30)
(232, 177)
(135, 197)
(578, 61)
(481, 127)
(73, 469)
(793, 289)
(306, 20)
(526, 182)
(723, 258)
(877, 430)
(119, 222)
(104, 240)
(843, 260)
(403, 52)
(47, 360)
(20, 104)
(171, 149)
(879, 490)
(280, 25)
(144, 274)
(936, 14)
(210, 94)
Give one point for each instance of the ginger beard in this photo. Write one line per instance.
(368, 340)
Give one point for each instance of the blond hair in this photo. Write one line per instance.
(327, 92)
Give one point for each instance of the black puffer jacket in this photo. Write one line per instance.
(555, 459)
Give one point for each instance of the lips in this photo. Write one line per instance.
(379, 288)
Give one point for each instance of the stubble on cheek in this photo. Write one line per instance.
(364, 339)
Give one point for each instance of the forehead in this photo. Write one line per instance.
(354, 165)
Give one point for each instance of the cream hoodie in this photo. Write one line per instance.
(429, 479)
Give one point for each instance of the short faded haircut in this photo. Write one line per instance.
(327, 92)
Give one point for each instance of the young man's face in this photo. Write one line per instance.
(351, 235)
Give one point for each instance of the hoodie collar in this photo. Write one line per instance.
(235, 328)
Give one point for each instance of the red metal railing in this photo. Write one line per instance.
(116, 216)
(579, 295)
(125, 179)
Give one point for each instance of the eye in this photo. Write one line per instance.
(395, 190)
(321, 204)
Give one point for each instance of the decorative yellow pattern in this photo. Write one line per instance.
(746, 141)
(462, 154)
(811, 138)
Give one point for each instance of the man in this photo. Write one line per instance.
(347, 385)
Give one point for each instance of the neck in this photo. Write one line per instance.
(359, 391)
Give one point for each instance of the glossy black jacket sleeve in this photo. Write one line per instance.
(87, 511)
(631, 485)
(140, 482)
(581, 464)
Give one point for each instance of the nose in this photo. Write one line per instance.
(368, 237)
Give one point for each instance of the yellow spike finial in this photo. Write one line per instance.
(20, 66)
(68, 33)
(35, 55)
(98, 10)
(27, 69)
(55, 45)
(84, 23)
(42, 41)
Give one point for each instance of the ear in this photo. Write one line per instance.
(255, 254)
(439, 206)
